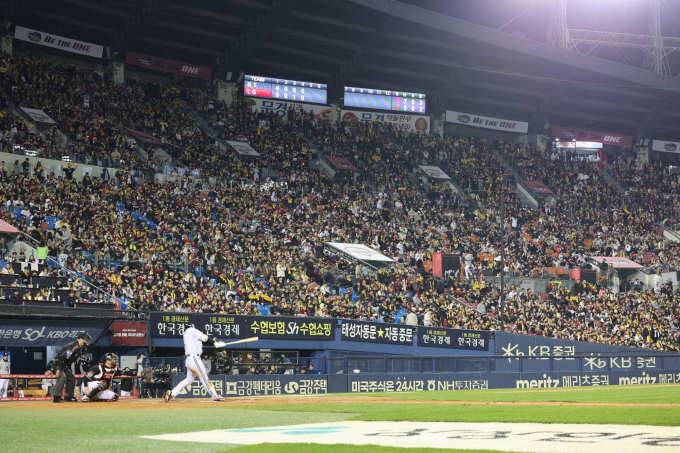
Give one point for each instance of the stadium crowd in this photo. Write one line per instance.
(240, 235)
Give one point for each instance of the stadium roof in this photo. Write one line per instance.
(378, 44)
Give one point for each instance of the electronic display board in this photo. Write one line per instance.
(284, 89)
(400, 101)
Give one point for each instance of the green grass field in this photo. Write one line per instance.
(88, 427)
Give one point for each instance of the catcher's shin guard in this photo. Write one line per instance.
(95, 391)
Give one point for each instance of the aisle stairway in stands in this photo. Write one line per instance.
(610, 179)
(524, 196)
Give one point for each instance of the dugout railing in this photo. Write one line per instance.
(33, 383)
(645, 360)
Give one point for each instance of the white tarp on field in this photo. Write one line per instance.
(360, 252)
(434, 172)
(533, 437)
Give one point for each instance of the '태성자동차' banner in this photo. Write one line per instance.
(164, 325)
(377, 332)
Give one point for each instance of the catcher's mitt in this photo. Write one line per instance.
(147, 374)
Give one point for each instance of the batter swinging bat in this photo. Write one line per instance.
(247, 340)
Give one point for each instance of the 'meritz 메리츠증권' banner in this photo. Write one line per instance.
(165, 65)
(164, 325)
(58, 42)
(376, 332)
(439, 337)
(599, 137)
(484, 122)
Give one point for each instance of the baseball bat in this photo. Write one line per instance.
(247, 340)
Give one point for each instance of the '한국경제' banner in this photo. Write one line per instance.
(439, 337)
(486, 122)
(165, 325)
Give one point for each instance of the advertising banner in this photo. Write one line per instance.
(164, 325)
(248, 385)
(340, 163)
(302, 328)
(46, 333)
(281, 107)
(145, 138)
(439, 337)
(599, 137)
(243, 149)
(484, 122)
(37, 115)
(58, 42)
(666, 147)
(537, 187)
(128, 333)
(407, 122)
(235, 326)
(433, 172)
(414, 382)
(376, 332)
(173, 67)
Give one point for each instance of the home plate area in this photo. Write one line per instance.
(533, 437)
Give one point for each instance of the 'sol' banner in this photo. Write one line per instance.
(162, 64)
(128, 333)
(599, 137)
(407, 122)
(377, 332)
(234, 326)
(46, 333)
(58, 42)
(487, 122)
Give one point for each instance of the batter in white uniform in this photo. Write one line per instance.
(193, 348)
(5, 367)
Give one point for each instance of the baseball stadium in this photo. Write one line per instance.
(340, 226)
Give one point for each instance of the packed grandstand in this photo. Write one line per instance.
(241, 236)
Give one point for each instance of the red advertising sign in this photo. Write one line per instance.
(174, 67)
(341, 163)
(145, 138)
(537, 187)
(599, 137)
(128, 333)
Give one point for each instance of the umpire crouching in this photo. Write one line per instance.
(66, 356)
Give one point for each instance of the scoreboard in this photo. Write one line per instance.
(284, 89)
(400, 101)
